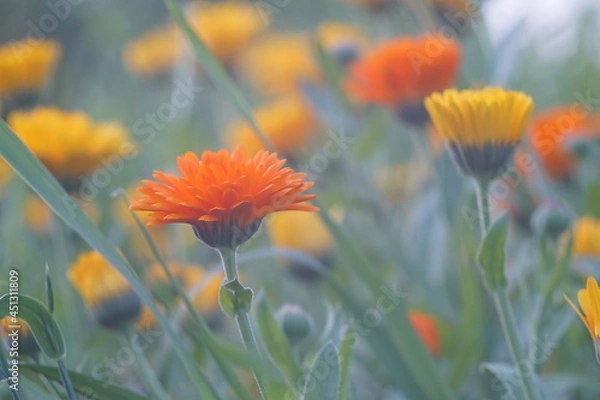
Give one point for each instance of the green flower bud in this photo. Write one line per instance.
(296, 323)
(551, 219)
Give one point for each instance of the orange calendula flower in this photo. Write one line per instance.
(289, 123)
(550, 133)
(403, 71)
(586, 240)
(224, 196)
(25, 66)
(589, 301)
(427, 328)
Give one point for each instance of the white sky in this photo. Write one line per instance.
(549, 22)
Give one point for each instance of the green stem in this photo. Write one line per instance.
(558, 270)
(229, 259)
(203, 330)
(64, 376)
(502, 303)
(4, 366)
(144, 368)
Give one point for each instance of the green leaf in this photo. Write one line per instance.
(43, 326)
(83, 384)
(491, 255)
(45, 185)
(275, 340)
(505, 376)
(346, 347)
(49, 291)
(233, 297)
(592, 197)
(216, 71)
(323, 380)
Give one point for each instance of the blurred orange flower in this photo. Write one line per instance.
(404, 70)
(551, 131)
(427, 328)
(224, 196)
(289, 123)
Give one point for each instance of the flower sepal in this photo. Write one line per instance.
(235, 297)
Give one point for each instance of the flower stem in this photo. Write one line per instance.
(229, 259)
(64, 376)
(502, 303)
(144, 368)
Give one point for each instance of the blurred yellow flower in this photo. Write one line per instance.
(68, 142)
(38, 215)
(206, 300)
(589, 301)
(586, 240)
(482, 127)
(25, 66)
(297, 230)
(5, 173)
(226, 27)
(97, 280)
(27, 344)
(278, 63)
(154, 52)
(333, 35)
(289, 123)
(303, 232)
(107, 293)
(398, 181)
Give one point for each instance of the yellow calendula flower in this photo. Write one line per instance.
(202, 287)
(303, 232)
(106, 292)
(586, 240)
(289, 123)
(154, 52)
(589, 301)
(226, 27)
(481, 127)
(345, 41)
(26, 66)
(278, 63)
(18, 329)
(69, 143)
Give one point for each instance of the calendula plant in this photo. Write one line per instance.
(297, 201)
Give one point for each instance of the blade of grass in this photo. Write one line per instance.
(216, 71)
(47, 187)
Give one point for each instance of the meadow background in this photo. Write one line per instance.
(392, 191)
